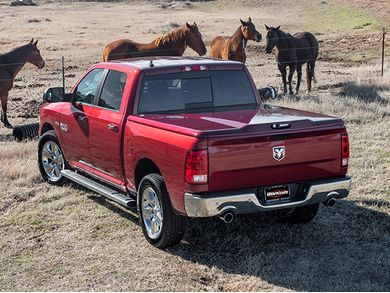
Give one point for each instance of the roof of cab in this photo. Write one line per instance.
(151, 64)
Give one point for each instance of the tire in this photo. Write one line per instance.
(161, 226)
(298, 215)
(51, 159)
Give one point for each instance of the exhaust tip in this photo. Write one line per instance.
(227, 217)
(330, 202)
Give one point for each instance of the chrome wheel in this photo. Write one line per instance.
(152, 214)
(52, 160)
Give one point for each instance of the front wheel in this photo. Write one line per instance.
(51, 159)
(161, 226)
(297, 215)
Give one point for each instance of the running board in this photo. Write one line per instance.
(99, 188)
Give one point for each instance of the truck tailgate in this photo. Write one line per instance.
(263, 156)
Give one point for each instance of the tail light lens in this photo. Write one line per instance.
(344, 149)
(194, 68)
(196, 167)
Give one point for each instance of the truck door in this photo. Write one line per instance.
(75, 119)
(106, 122)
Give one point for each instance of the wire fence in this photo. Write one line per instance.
(55, 65)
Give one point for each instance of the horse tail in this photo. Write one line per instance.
(313, 73)
(312, 65)
(314, 47)
(310, 74)
(105, 54)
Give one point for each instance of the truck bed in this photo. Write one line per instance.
(240, 144)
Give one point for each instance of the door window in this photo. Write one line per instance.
(88, 87)
(112, 92)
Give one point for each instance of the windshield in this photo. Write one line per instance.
(195, 91)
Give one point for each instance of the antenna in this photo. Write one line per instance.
(63, 71)
(151, 63)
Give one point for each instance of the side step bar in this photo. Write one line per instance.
(99, 188)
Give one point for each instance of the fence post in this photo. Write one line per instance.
(63, 71)
(383, 50)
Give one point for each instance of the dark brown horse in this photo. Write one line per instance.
(173, 43)
(293, 51)
(10, 64)
(233, 48)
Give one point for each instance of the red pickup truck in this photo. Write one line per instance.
(190, 137)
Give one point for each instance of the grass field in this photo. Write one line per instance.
(68, 238)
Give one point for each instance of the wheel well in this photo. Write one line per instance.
(145, 167)
(46, 127)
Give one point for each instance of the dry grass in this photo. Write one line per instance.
(71, 239)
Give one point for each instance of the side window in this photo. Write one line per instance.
(87, 88)
(112, 92)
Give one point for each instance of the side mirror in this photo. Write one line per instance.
(268, 93)
(56, 94)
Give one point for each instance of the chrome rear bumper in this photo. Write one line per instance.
(247, 201)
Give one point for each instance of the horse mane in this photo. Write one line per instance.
(236, 38)
(171, 37)
(15, 50)
(287, 39)
(284, 34)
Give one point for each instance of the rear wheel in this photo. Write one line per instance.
(297, 215)
(51, 159)
(161, 226)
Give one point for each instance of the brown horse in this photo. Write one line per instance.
(233, 48)
(10, 64)
(173, 43)
(293, 51)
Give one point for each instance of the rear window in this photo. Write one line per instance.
(195, 91)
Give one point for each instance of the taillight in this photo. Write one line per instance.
(344, 149)
(194, 68)
(196, 167)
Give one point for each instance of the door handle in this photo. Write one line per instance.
(112, 127)
(280, 125)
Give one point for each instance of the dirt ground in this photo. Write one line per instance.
(68, 238)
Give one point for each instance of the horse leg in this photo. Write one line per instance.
(243, 57)
(4, 118)
(299, 72)
(290, 76)
(282, 69)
